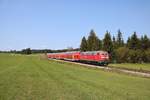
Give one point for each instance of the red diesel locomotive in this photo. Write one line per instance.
(99, 57)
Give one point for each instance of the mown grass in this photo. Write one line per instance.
(144, 66)
(30, 78)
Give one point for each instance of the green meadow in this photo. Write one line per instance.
(31, 78)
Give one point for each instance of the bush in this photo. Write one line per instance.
(136, 56)
(147, 53)
(122, 54)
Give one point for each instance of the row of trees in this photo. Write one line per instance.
(134, 50)
(28, 51)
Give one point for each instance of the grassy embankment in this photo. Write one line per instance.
(144, 66)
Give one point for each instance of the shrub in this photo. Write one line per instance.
(122, 54)
(147, 53)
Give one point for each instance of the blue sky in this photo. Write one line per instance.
(58, 24)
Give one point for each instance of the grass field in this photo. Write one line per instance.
(144, 66)
(30, 78)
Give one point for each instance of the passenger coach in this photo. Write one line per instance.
(99, 57)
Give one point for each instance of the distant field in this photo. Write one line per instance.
(133, 66)
(31, 78)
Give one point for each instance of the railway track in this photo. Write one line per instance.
(112, 69)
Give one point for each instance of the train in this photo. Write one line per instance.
(96, 57)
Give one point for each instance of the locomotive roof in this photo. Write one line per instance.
(73, 52)
(94, 52)
(65, 52)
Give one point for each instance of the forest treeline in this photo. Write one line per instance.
(134, 50)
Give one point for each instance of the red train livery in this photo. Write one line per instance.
(100, 57)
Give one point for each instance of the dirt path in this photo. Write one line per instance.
(125, 71)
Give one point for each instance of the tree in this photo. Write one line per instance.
(134, 42)
(26, 51)
(93, 42)
(119, 41)
(108, 46)
(83, 46)
(128, 42)
(99, 45)
(144, 42)
(107, 43)
(114, 42)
